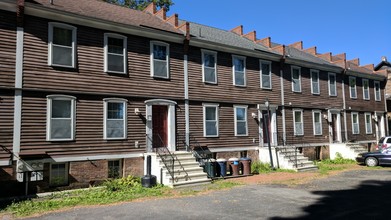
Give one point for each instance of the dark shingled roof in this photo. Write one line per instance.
(101, 10)
(301, 55)
(220, 36)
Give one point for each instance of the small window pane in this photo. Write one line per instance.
(210, 75)
(160, 68)
(209, 60)
(115, 110)
(159, 52)
(211, 128)
(239, 78)
(115, 45)
(239, 64)
(62, 36)
(114, 169)
(240, 114)
(58, 174)
(115, 63)
(61, 129)
(115, 128)
(241, 128)
(210, 113)
(265, 81)
(62, 55)
(61, 108)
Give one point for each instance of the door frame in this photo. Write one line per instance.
(171, 137)
(273, 124)
(338, 123)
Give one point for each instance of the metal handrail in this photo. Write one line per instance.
(195, 147)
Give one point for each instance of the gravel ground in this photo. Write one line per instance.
(354, 194)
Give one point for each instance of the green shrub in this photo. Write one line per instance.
(338, 160)
(259, 167)
(122, 183)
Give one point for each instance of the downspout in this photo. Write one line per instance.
(282, 64)
(344, 104)
(186, 43)
(18, 79)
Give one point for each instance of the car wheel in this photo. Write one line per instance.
(371, 161)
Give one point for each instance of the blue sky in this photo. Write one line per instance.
(360, 28)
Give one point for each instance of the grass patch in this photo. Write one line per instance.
(258, 167)
(339, 163)
(124, 189)
(117, 190)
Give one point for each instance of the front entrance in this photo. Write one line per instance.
(159, 126)
(334, 120)
(266, 127)
(334, 127)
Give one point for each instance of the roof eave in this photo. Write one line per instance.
(308, 64)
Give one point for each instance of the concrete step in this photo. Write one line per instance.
(307, 168)
(192, 183)
(189, 177)
(188, 170)
(302, 164)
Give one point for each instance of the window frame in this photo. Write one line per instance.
(355, 87)
(214, 53)
(358, 122)
(293, 84)
(335, 84)
(365, 90)
(234, 71)
(105, 115)
(294, 122)
(216, 106)
(320, 122)
(49, 110)
(312, 83)
(52, 25)
(368, 116)
(269, 63)
(152, 59)
(66, 175)
(106, 52)
(119, 168)
(245, 107)
(377, 93)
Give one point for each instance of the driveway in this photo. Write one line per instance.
(359, 194)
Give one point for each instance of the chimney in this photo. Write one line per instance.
(238, 30)
(173, 19)
(297, 45)
(161, 13)
(20, 13)
(280, 49)
(251, 35)
(325, 56)
(151, 8)
(368, 67)
(341, 56)
(311, 50)
(267, 41)
(355, 61)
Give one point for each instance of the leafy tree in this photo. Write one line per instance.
(141, 4)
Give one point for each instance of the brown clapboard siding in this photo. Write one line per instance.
(89, 128)
(6, 122)
(305, 98)
(362, 136)
(224, 90)
(7, 48)
(359, 104)
(308, 126)
(227, 136)
(89, 75)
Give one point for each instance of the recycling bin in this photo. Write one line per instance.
(234, 166)
(245, 165)
(221, 167)
(210, 167)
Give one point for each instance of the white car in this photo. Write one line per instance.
(384, 142)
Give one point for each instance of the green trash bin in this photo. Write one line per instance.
(210, 167)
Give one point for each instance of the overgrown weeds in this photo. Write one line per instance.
(339, 163)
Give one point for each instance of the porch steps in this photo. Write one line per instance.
(296, 160)
(186, 171)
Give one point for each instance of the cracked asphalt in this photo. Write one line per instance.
(357, 194)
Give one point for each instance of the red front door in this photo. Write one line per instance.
(159, 126)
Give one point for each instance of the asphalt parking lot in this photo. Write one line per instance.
(358, 194)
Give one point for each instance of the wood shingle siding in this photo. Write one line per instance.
(6, 122)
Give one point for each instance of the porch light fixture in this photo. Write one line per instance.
(374, 118)
(267, 104)
(254, 115)
(137, 111)
(325, 117)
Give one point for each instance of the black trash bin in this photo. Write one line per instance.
(245, 165)
(210, 167)
(221, 167)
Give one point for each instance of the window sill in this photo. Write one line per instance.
(270, 89)
(211, 136)
(62, 66)
(115, 139)
(59, 140)
(160, 77)
(114, 72)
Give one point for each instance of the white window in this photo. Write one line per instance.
(353, 87)
(266, 74)
(317, 121)
(298, 122)
(62, 45)
(60, 119)
(160, 56)
(114, 169)
(209, 66)
(58, 174)
(115, 118)
(239, 70)
(315, 89)
(368, 123)
(240, 120)
(377, 91)
(211, 120)
(115, 53)
(332, 84)
(296, 79)
(355, 124)
(365, 89)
